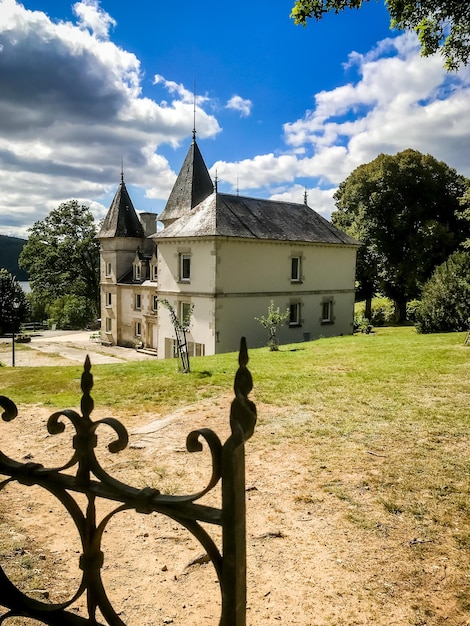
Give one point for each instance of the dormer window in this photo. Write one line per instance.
(154, 266)
(137, 271)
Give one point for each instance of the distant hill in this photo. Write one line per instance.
(10, 250)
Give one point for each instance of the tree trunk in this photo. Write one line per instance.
(400, 310)
(368, 309)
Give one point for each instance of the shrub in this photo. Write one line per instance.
(411, 308)
(362, 325)
(445, 299)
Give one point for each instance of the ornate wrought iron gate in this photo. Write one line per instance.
(90, 479)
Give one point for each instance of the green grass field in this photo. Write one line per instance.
(393, 395)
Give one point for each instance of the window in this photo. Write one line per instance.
(327, 312)
(137, 271)
(109, 298)
(185, 268)
(196, 349)
(295, 269)
(294, 314)
(138, 329)
(155, 303)
(185, 313)
(108, 270)
(138, 301)
(109, 325)
(154, 272)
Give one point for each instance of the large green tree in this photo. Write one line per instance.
(442, 25)
(14, 306)
(406, 210)
(62, 255)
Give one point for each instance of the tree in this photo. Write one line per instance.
(14, 306)
(406, 211)
(181, 327)
(62, 255)
(441, 25)
(445, 300)
(271, 322)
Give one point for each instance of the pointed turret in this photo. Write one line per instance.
(121, 219)
(192, 186)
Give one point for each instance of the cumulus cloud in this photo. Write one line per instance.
(237, 103)
(71, 105)
(398, 100)
(92, 17)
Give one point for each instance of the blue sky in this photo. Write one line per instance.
(280, 108)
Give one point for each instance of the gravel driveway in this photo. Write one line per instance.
(65, 347)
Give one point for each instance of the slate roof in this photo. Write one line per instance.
(192, 185)
(226, 215)
(121, 220)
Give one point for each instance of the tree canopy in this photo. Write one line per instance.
(445, 300)
(62, 255)
(406, 210)
(14, 306)
(441, 25)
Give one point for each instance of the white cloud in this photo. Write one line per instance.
(319, 199)
(92, 17)
(71, 106)
(237, 103)
(399, 100)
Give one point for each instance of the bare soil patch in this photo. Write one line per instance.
(315, 556)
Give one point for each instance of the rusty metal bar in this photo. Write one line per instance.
(228, 466)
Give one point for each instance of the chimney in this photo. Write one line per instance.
(149, 222)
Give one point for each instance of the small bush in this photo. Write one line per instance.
(445, 299)
(362, 325)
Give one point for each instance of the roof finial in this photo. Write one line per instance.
(305, 197)
(194, 112)
(238, 189)
(122, 169)
(216, 182)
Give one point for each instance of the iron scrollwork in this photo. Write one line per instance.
(95, 482)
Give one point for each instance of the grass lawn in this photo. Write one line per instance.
(394, 396)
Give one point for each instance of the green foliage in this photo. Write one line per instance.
(62, 255)
(362, 325)
(14, 306)
(38, 307)
(273, 319)
(70, 312)
(406, 210)
(382, 312)
(411, 307)
(445, 301)
(441, 25)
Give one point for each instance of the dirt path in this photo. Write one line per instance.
(307, 564)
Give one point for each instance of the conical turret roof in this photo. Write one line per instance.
(121, 219)
(192, 186)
